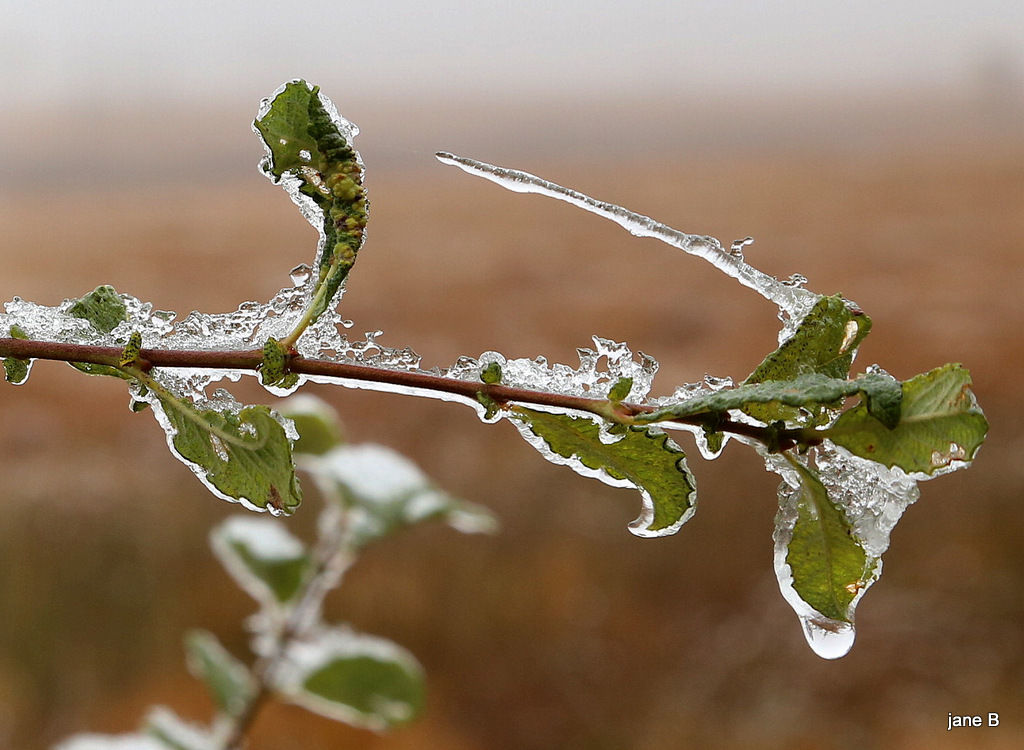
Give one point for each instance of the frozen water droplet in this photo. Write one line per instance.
(717, 384)
(829, 639)
(849, 334)
(736, 248)
(795, 281)
(300, 274)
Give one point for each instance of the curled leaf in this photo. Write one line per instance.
(16, 370)
(309, 149)
(640, 457)
(811, 392)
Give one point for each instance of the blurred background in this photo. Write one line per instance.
(876, 148)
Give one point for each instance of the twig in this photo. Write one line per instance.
(425, 383)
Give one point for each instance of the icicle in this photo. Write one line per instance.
(794, 301)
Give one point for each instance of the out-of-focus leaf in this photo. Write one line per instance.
(263, 557)
(112, 742)
(177, 734)
(227, 679)
(362, 680)
(316, 422)
(384, 492)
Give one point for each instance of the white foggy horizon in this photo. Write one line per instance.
(167, 90)
(67, 51)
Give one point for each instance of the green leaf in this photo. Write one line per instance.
(102, 307)
(828, 565)
(824, 343)
(284, 128)
(384, 492)
(244, 457)
(228, 680)
(642, 457)
(882, 392)
(263, 557)
(362, 680)
(940, 426)
(105, 310)
(130, 354)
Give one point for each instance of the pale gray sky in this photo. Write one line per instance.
(68, 49)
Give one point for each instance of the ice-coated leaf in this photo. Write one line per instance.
(316, 422)
(882, 392)
(310, 152)
(228, 680)
(829, 567)
(824, 343)
(243, 457)
(284, 128)
(263, 557)
(941, 426)
(362, 680)
(384, 492)
(102, 307)
(871, 498)
(640, 457)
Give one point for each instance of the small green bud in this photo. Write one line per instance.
(491, 374)
(274, 369)
(343, 189)
(16, 370)
(344, 254)
(130, 354)
(620, 390)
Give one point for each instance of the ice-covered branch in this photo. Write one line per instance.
(409, 382)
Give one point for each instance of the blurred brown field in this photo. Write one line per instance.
(563, 631)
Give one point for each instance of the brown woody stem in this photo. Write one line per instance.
(422, 381)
